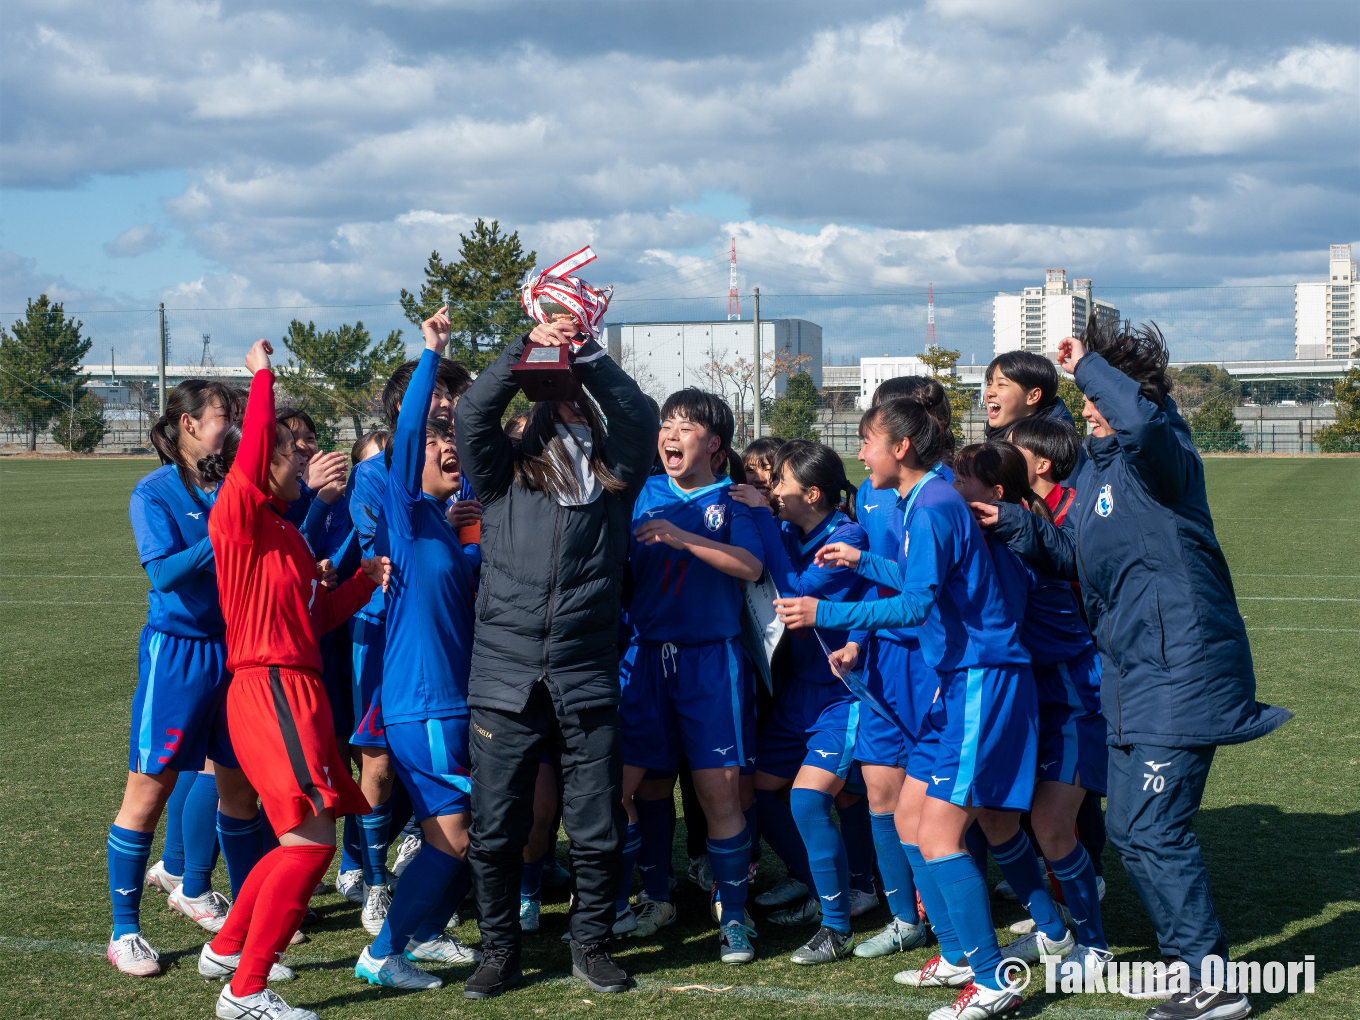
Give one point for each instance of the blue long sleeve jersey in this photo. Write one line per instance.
(789, 558)
(429, 606)
(1051, 624)
(170, 525)
(947, 587)
(674, 596)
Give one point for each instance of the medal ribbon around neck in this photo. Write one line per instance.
(557, 284)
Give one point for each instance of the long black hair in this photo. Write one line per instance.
(1137, 351)
(541, 458)
(816, 464)
(214, 467)
(194, 397)
(910, 417)
(932, 396)
(1003, 465)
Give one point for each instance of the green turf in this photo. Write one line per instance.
(1279, 825)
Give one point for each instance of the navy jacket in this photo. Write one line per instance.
(1176, 665)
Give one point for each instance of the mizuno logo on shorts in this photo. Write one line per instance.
(724, 750)
(485, 733)
(939, 779)
(824, 754)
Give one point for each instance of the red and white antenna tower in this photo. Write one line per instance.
(930, 315)
(733, 299)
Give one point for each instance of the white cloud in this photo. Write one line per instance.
(135, 241)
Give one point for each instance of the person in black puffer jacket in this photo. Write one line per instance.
(545, 672)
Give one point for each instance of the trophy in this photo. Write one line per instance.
(545, 372)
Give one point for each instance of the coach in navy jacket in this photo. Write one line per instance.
(1177, 677)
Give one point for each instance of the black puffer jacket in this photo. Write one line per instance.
(548, 606)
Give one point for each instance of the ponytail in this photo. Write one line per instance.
(193, 397)
(1003, 465)
(814, 464)
(932, 397)
(911, 417)
(214, 467)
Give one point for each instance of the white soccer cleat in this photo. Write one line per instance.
(937, 973)
(862, 901)
(652, 916)
(394, 971)
(978, 1003)
(1030, 948)
(528, 914)
(406, 853)
(161, 880)
(809, 911)
(208, 911)
(1023, 926)
(701, 873)
(786, 890)
(377, 901)
(896, 937)
(133, 956)
(442, 948)
(350, 885)
(734, 943)
(265, 1005)
(217, 967)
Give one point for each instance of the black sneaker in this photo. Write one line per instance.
(592, 964)
(1201, 1004)
(826, 946)
(498, 971)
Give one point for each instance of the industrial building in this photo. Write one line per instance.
(1038, 317)
(1324, 312)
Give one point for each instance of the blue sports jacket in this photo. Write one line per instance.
(1176, 664)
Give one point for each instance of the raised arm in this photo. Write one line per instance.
(485, 452)
(257, 428)
(408, 442)
(631, 446)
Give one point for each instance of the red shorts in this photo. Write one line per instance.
(281, 729)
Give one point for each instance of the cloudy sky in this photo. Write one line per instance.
(231, 155)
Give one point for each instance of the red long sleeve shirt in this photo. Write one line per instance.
(275, 608)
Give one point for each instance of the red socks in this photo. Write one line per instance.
(268, 910)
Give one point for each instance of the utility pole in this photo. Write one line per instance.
(755, 376)
(161, 362)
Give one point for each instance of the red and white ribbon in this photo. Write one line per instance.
(556, 284)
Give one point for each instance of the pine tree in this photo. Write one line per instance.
(793, 414)
(337, 373)
(40, 366)
(483, 288)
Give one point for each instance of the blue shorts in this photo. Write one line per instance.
(690, 701)
(898, 674)
(370, 642)
(980, 739)
(812, 724)
(179, 713)
(1071, 728)
(431, 758)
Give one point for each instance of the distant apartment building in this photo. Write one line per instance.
(1324, 312)
(1038, 317)
(873, 371)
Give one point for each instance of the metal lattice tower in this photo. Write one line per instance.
(733, 298)
(206, 358)
(930, 315)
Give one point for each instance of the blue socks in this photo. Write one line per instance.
(1077, 876)
(172, 855)
(654, 859)
(898, 885)
(531, 878)
(730, 858)
(856, 833)
(937, 910)
(965, 892)
(422, 885)
(375, 836)
(752, 816)
(781, 832)
(975, 840)
(447, 905)
(200, 835)
(826, 855)
(1018, 863)
(128, 853)
(632, 843)
(349, 846)
(242, 842)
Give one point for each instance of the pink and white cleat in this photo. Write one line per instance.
(133, 956)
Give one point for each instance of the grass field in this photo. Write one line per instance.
(1280, 824)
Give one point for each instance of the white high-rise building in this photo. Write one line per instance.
(1325, 323)
(1038, 317)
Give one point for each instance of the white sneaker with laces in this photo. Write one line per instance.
(862, 901)
(896, 937)
(978, 1003)
(700, 873)
(937, 973)
(158, 878)
(528, 914)
(443, 948)
(265, 1005)
(734, 943)
(1030, 948)
(377, 900)
(786, 890)
(216, 967)
(652, 916)
(350, 885)
(394, 971)
(208, 911)
(406, 853)
(809, 911)
(1089, 958)
(133, 956)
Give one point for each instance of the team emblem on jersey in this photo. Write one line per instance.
(1105, 502)
(714, 516)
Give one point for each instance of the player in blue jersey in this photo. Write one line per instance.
(1072, 755)
(323, 471)
(426, 660)
(805, 750)
(690, 692)
(978, 740)
(895, 671)
(178, 712)
(367, 633)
